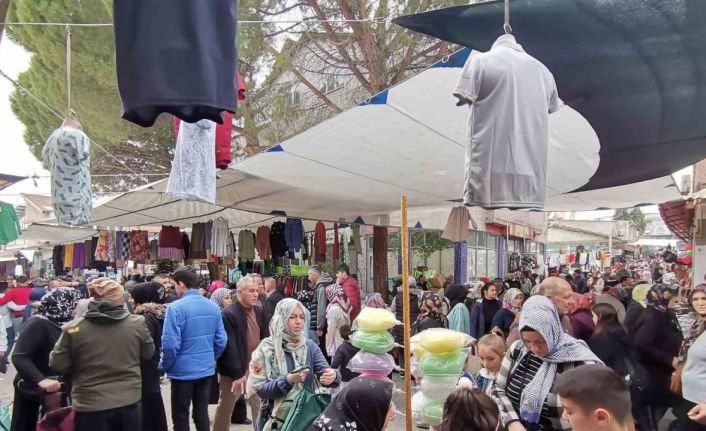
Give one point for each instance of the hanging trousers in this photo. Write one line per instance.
(184, 394)
(128, 418)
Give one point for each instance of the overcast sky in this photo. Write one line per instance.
(16, 158)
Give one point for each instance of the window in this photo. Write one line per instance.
(293, 96)
(482, 255)
(331, 83)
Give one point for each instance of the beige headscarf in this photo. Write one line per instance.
(105, 289)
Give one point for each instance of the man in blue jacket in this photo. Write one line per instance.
(192, 340)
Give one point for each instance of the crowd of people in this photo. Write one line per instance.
(610, 351)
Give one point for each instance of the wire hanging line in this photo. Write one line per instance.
(68, 69)
(25, 91)
(260, 22)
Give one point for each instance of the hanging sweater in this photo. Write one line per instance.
(9, 224)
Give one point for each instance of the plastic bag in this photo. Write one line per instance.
(380, 364)
(418, 403)
(442, 364)
(376, 319)
(438, 388)
(373, 341)
(440, 340)
(433, 413)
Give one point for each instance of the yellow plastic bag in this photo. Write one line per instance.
(376, 319)
(440, 340)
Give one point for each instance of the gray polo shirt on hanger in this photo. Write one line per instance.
(510, 94)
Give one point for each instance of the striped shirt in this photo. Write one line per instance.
(518, 368)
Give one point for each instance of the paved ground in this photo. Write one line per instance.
(6, 394)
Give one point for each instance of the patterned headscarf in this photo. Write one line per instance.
(509, 298)
(58, 305)
(375, 301)
(539, 314)
(335, 291)
(271, 351)
(361, 406)
(698, 326)
(219, 296)
(656, 296)
(430, 306)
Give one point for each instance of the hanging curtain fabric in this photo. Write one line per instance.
(320, 242)
(193, 174)
(139, 246)
(66, 155)
(219, 237)
(9, 224)
(185, 69)
(262, 242)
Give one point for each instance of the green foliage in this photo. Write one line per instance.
(432, 243)
(635, 215)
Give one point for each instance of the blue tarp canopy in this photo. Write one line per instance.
(635, 69)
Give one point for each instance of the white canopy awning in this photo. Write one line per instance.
(56, 234)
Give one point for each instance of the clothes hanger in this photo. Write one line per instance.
(71, 120)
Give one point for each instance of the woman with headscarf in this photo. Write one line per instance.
(484, 310)
(459, 317)
(375, 300)
(31, 355)
(222, 297)
(658, 338)
(512, 304)
(581, 317)
(430, 315)
(693, 356)
(285, 363)
(149, 303)
(531, 366)
(365, 404)
(637, 306)
(337, 316)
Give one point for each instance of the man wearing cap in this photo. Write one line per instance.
(110, 343)
(192, 340)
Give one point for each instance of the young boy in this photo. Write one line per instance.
(595, 398)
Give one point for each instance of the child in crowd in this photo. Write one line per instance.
(595, 398)
(469, 409)
(491, 350)
(344, 354)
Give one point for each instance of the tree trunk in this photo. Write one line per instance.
(380, 260)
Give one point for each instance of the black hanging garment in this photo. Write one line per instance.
(175, 56)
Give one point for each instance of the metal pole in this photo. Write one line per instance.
(407, 316)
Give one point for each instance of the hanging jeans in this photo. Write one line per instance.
(184, 394)
(128, 418)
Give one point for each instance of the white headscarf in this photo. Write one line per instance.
(540, 314)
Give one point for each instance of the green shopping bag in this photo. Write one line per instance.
(306, 407)
(5, 416)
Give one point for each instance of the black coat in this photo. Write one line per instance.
(235, 360)
(342, 357)
(657, 341)
(612, 347)
(631, 314)
(148, 367)
(272, 302)
(31, 353)
(398, 331)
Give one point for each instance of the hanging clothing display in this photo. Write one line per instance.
(207, 236)
(198, 241)
(293, 234)
(456, 229)
(355, 233)
(66, 155)
(320, 242)
(154, 250)
(336, 244)
(262, 242)
(57, 259)
(185, 245)
(219, 237)
(105, 251)
(278, 241)
(10, 228)
(246, 245)
(69, 256)
(193, 174)
(88, 255)
(185, 69)
(170, 246)
(511, 95)
(139, 246)
(79, 256)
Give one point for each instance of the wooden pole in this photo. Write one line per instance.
(404, 237)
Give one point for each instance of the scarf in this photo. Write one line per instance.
(456, 294)
(429, 306)
(540, 315)
(581, 302)
(361, 406)
(271, 351)
(58, 305)
(509, 298)
(375, 301)
(143, 293)
(698, 326)
(157, 310)
(657, 299)
(639, 294)
(219, 296)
